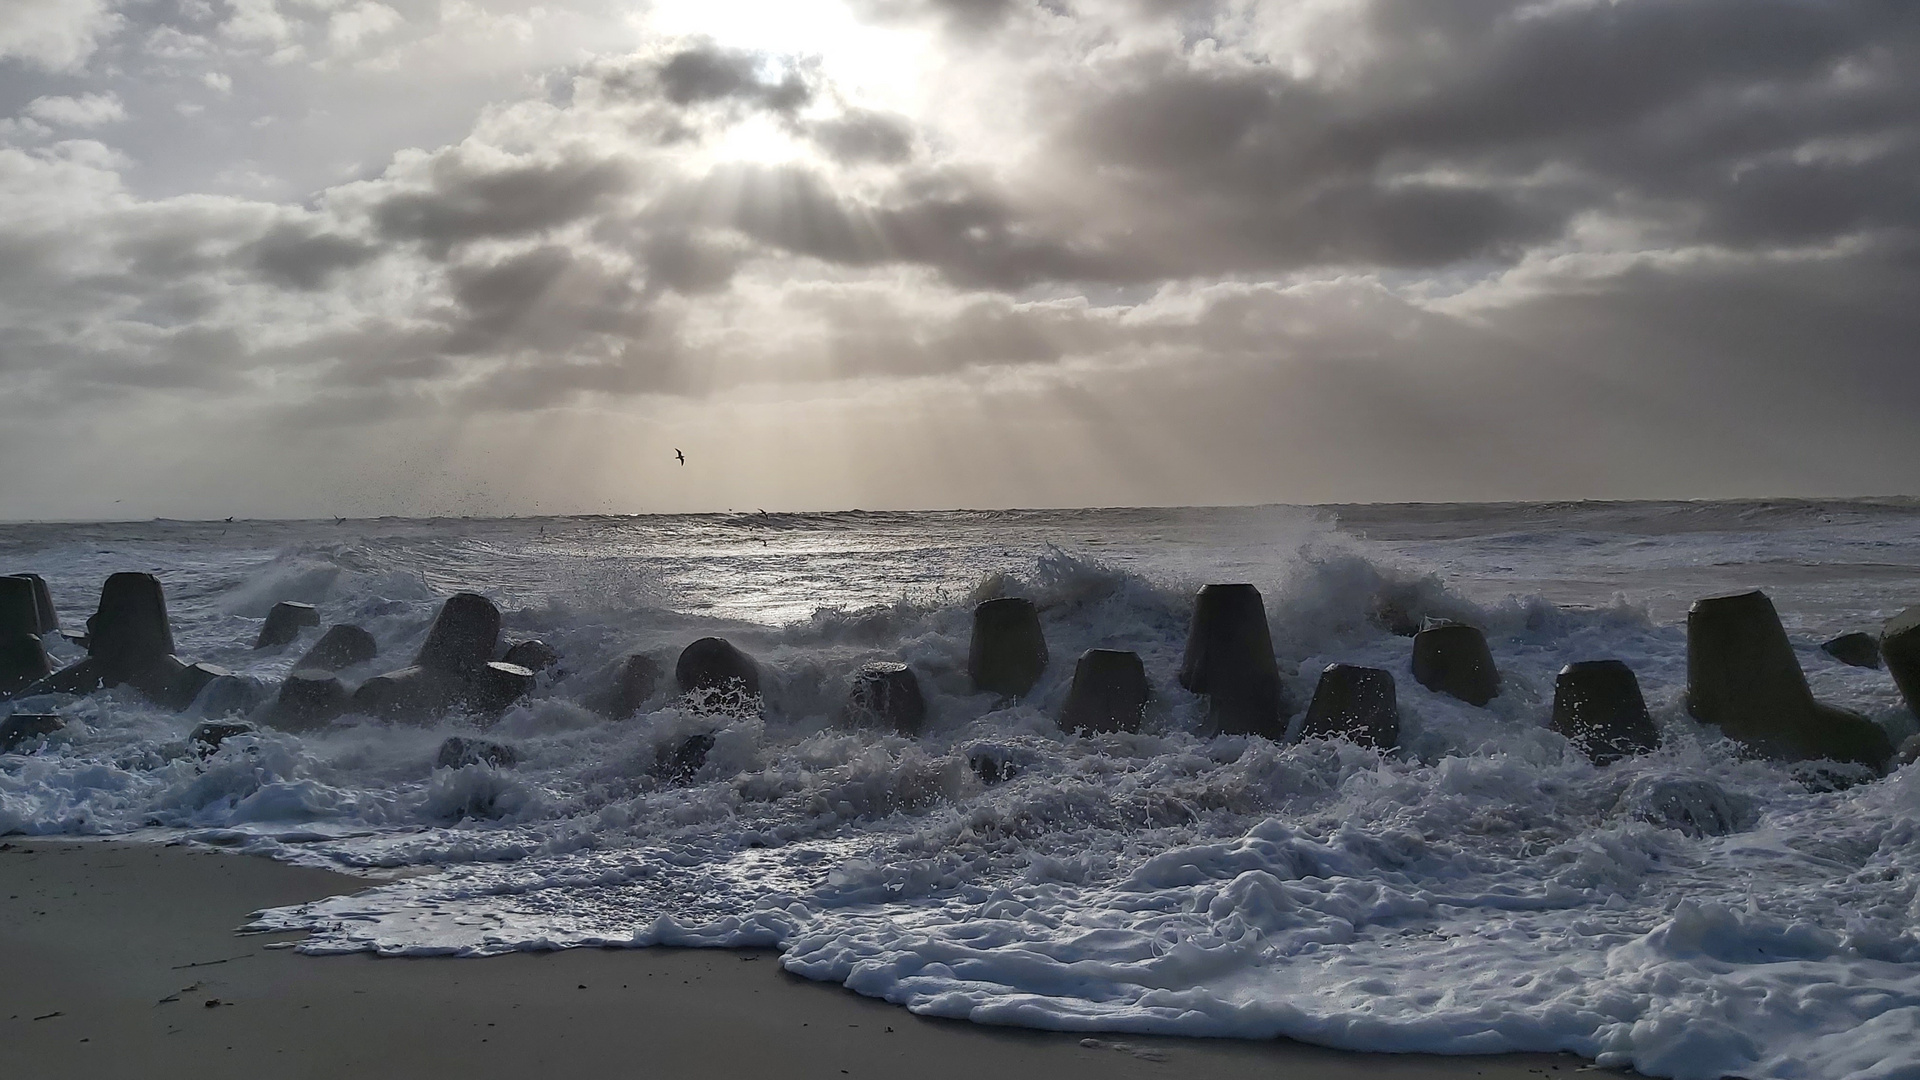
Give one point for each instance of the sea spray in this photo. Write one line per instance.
(1482, 887)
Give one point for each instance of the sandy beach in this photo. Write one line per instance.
(122, 960)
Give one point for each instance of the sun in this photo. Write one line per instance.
(870, 65)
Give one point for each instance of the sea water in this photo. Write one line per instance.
(1481, 889)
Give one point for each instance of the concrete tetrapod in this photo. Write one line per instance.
(1743, 677)
(46, 619)
(1858, 649)
(284, 623)
(128, 641)
(1008, 650)
(23, 662)
(1230, 659)
(1357, 703)
(887, 695)
(495, 686)
(308, 699)
(21, 728)
(1598, 706)
(183, 684)
(19, 609)
(130, 631)
(717, 672)
(342, 646)
(1900, 648)
(459, 752)
(23, 657)
(634, 682)
(411, 693)
(454, 669)
(463, 637)
(679, 762)
(535, 655)
(206, 738)
(1109, 692)
(1453, 659)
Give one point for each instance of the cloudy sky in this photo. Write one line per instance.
(308, 257)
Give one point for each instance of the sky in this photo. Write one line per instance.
(299, 258)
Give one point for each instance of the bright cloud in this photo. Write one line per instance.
(1374, 250)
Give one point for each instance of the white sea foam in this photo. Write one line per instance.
(1690, 913)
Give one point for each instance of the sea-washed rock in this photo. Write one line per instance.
(1694, 807)
(21, 729)
(1453, 659)
(1229, 658)
(206, 738)
(463, 637)
(342, 646)
(311, 699)
(1109, 692)
(1857, 649)
(1743, 677)
(887, 695)
(1008, 651)
(1598, 706)
(284, 624)
(460, 752)
(1900, 648)
(1355, 703)
(536, 655)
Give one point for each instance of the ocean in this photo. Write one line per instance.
(1483, 888)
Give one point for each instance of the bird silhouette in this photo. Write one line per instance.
(681, 456)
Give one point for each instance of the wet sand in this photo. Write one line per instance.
(122, 960)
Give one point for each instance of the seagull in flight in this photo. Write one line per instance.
(681, 456)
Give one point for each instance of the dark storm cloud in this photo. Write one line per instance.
(678, 259)
(709, 73)
(548, 297)
(1472, 131)
(300, 257)
(469, 200)
(869, 335)
(964, 17)
(1670, 234)
(862, 135)
(954, 222)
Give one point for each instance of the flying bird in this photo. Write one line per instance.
(681, 456)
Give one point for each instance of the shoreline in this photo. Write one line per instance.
(123, 959)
